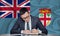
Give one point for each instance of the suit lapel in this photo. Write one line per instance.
(32, 22)
(22, 25)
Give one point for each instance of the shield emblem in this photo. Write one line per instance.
(45, 16)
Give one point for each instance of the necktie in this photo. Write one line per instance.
(27, 26)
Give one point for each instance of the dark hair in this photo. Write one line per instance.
(23, 10)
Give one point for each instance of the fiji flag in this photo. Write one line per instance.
(49, 14)
(10, 8)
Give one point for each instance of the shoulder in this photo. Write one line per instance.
(34, 17)
(19, 20)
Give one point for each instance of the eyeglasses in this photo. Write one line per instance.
(25, 17)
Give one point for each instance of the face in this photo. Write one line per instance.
(26, 16)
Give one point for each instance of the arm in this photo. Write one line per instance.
(41, 27)
(15, 28)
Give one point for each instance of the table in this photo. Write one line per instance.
(28, 35)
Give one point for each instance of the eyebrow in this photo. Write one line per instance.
(26, 17)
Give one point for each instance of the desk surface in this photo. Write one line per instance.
(28, 35)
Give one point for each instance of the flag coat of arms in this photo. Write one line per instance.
(45, 16)
(10, 8)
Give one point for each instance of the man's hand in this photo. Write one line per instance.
(35, 31)
(26, 31)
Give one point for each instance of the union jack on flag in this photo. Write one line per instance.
(10, 8)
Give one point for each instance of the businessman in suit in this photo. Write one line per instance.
(27, 24)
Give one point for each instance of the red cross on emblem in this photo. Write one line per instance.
(45, 11)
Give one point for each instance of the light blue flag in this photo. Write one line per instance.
(6, 24)
(54, 27)
(54, 5)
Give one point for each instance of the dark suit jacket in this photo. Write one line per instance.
(19, 25)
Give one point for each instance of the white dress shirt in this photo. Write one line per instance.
(30, 27)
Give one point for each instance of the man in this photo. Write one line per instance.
(27, 24)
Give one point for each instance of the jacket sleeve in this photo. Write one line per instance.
(15, 29)
(41, 27)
